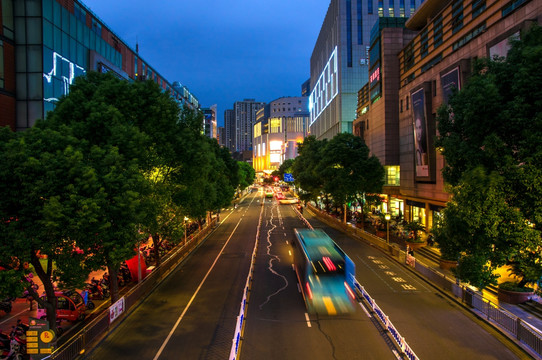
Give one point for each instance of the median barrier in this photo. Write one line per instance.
(523, 334)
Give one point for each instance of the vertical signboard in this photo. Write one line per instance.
(39, 338)
(419, 123)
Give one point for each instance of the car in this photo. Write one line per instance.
(289, 200)
(70, 306)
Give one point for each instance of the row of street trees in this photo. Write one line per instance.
(491, 137)
(114, 163)
(339, 170)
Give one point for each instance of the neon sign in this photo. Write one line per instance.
(325, 89)
(375, 76)
(74, 70)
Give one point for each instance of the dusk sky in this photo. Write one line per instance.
(222, 50)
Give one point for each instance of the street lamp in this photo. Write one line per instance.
(388, 217)
(185, 229)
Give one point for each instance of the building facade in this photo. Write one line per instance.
(244, 119)
(418, 68)
(221, 135)
(340, 59)
(377, 116)
(229, 129)
(209, 122)
(280, 126)
(46, 44)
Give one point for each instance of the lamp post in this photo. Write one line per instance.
(185, 229)
(388, 217)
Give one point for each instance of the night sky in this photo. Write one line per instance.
(222, 50)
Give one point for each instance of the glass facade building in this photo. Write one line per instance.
(339, 64)
(54, 42)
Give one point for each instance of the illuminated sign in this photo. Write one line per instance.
(274, 158)
(325, 89)
(60, 62)
(275, 145)
(375, 76)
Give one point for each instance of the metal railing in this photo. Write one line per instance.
(100, 326)
(518, 329)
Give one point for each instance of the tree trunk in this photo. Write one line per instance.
(345, 211)
(50, 304)
(113, 282)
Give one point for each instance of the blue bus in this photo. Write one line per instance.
(325, 273)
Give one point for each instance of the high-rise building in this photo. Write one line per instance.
(280, 126)
(229, 129)
(245, 117)
(340, 59)
(221, 135)
(46, 44)
(209, 121)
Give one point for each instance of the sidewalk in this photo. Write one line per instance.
(516, 310)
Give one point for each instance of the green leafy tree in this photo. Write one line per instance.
(47, 199)
(305, 168)
(490, 135)
(108, 115)
(348, 171)
(247, 175)
(285, 167)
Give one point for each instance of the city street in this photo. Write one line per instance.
(193, 312)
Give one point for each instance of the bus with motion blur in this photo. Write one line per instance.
(325, 273)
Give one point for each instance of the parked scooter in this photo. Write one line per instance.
(13, 347)
(13, 352)
(96, 291)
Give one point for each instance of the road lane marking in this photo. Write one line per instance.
(308, 320)
(273, 257)
(194, 296)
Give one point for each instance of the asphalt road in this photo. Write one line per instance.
(434, 326)
(278, 325)
(192, 314)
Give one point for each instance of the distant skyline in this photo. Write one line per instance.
(223, 51)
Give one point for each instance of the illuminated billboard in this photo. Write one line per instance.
(419, 124)
(275, 145)
(325, 89)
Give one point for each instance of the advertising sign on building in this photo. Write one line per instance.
(419, 123)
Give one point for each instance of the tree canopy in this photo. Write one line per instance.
(115, 162)
(491, 137)
(340, 168)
